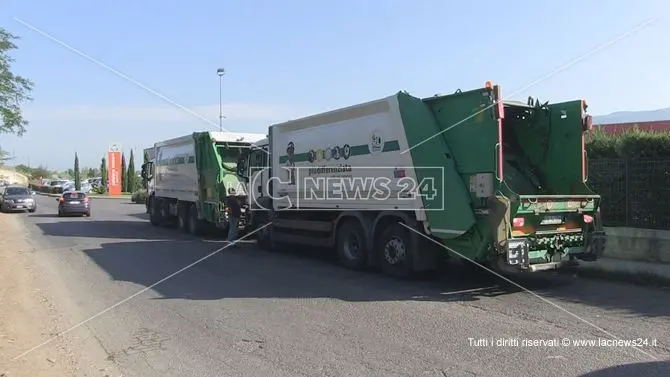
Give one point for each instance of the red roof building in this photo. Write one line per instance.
(656, 126)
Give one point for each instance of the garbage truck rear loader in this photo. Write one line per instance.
(189, 177)
(402, 182)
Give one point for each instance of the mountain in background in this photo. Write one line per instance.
(633, 116)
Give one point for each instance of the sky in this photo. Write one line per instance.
(138, 72)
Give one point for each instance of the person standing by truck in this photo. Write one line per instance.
(234, 214)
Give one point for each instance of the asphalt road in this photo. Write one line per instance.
(246, 312)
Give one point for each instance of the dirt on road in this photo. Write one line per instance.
(31, 318)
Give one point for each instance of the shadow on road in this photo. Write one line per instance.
(247, 272)
(655, 368)
(43, 215)
(106, 229)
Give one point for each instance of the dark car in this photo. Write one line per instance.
(18, 198)
(74, 203)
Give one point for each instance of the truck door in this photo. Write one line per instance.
(566, 162)
(259, 176)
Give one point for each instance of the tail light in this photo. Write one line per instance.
(518, 222)
(86, 199)
(588, 219)
(62, 199)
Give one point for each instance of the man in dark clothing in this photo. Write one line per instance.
(234, 214)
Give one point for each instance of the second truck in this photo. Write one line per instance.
(401, 182)
(189, 178)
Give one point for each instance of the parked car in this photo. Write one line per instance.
(58, 184)
(74, 203)
(70, 186)
(18, 198)
(85, 187)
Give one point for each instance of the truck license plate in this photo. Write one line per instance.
(552, 220)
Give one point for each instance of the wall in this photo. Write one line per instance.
(637, 244)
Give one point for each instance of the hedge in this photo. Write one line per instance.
(631, 172)
(45, 189)
(633, 144)
(139, 197)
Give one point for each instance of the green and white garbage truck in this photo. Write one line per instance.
(401, 182)
(189, 177)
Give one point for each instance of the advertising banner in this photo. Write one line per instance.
(114, 170)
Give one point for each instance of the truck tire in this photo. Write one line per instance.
(195, 225)
(395, 252)
(351, 245)
(168, 220)
(182, 218)
(154, 212)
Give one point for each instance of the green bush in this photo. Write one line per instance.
(631, 172)
(45, 189)
(99, 190)
(139, 197)
(633, 144)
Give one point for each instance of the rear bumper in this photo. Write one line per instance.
(518, 249)
(19, 206)
(73, 208)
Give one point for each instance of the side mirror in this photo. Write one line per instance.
(242, 167)
(58, 199)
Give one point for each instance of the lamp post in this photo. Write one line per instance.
(220, 72)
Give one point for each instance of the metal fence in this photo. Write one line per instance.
(635, 193)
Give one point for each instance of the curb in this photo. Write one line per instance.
(636, 276)
(127, 197)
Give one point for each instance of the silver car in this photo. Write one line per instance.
(18, 198)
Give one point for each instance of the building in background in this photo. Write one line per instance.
(654, 126)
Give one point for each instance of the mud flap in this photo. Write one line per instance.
(499, 212)
(425, 252)
(595, 246)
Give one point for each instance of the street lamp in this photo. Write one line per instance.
(220, 72)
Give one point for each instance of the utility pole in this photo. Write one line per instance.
(221, 72)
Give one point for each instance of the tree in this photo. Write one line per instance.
(77, 177)
(124, 173)
(5, 156)
(14, 89)
(103, 174)
(132, 174)
(34, 173)
(91, 173)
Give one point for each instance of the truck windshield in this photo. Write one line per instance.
(229, 154)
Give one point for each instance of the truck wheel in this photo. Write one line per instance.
(168, 220)
(154, 213)
(195, 226)
(351, 245)
(182, 219)
(396, 255)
